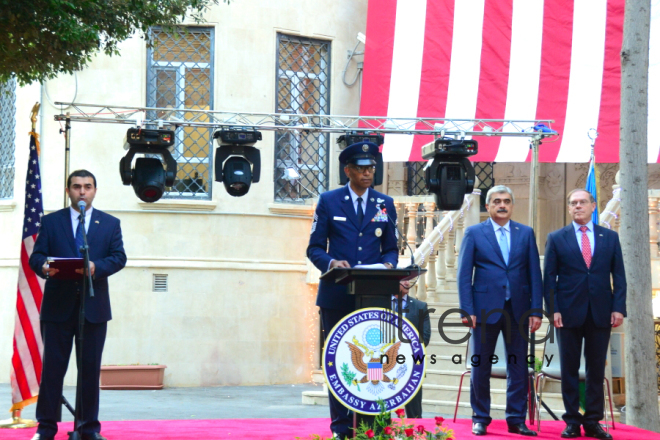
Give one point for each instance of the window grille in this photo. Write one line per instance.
(180, 76)
(416, 184)
(302, 86)
(484, 173)
(7, 138)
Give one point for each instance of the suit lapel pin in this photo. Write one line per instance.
(371, 199)
(345, 197)
(97, 222)
(379, 200)
(600, 235)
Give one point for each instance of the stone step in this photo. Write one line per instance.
(315, 398)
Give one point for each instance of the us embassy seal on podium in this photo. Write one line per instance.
(362, 366)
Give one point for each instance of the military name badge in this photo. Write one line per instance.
(379, 232)
(360, 367)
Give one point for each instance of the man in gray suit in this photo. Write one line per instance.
(417, 313)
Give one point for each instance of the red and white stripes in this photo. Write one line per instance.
(28, 347)
(503, 59)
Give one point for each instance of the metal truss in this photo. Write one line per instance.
(162, 117)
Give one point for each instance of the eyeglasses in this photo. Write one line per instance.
(363, 168)
(579, 202)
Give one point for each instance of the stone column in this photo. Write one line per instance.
(411, 214)
(431, 280)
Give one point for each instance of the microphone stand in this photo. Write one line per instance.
(76, 434)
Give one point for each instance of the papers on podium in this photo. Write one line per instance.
(67, 267)
(370, 266)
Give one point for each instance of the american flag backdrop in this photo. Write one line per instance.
(28, 347)
(505, 59)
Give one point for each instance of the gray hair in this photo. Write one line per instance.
(568, 197)
(499, 189)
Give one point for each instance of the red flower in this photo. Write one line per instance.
(409, 432)
(439, 420)
(420, 429)
(387, 430)
(370, 434)
(400, 412)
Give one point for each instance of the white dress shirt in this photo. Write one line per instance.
(74, 219)
(590, 235)
(354, 198)
(498, 232)
(395, 302)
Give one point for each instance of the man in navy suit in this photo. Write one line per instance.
(582, 263)
(60, 235)
(353, 225)
(417, 312)
(500, 286)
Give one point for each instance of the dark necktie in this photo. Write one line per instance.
(79, 236)
(360, 212)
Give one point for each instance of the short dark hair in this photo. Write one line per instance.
(80, 173)
(591, 196)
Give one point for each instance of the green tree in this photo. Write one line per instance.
(43, 38)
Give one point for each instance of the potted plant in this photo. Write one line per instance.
(132, 377)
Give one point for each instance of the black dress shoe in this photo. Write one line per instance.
(42, 437)
(95, 436)
(572, 430)
(478, 428)
(521, 428)
(596, 431)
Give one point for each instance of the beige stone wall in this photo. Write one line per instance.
(238, 310)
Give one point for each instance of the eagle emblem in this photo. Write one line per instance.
(366, 368)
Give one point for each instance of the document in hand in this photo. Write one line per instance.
(67, 268)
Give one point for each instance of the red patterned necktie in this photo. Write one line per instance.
(586, 246)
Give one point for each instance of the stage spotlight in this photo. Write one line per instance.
(449, 174)
(148, 177)
(362, 136)
(237, 162)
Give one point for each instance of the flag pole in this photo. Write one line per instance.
(16, 422)
(67, 153)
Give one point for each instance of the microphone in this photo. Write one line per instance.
(82, 206)
(381, 206)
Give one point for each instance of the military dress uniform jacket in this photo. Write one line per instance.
(374, 241)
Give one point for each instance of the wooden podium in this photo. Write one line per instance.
(371, 287)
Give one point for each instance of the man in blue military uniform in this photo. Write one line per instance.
(353, 225)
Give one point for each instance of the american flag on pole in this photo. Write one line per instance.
(28, 347)
(375, 371)
(505, 59)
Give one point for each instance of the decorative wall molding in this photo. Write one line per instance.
(217, 264)
(306, 210)
(179, 205)
(7, 205)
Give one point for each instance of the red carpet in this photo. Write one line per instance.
(287, 429)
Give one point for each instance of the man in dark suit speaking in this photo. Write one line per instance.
(60, 235)
(499, 271)
(353, 225)
(582, 262)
